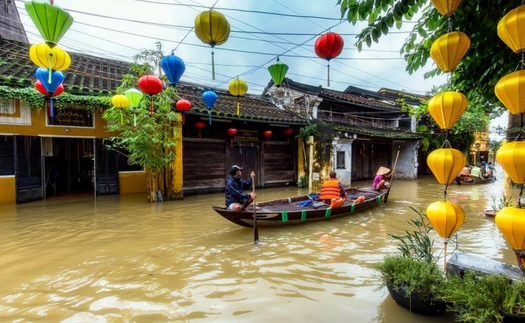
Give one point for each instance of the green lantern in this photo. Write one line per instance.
(51, 21)
(278, 72)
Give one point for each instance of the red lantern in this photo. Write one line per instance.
(267, 134)
(42, 89)
(199, 125)
(232, 132)
(151, 85)
(329, 46)
(183, 106)
(288, 132)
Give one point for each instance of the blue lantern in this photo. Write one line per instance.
(49, 83)
(173, 67)
(209, 97)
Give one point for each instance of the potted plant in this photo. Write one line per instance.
(486, 298)
(498, 204)
(412, 277)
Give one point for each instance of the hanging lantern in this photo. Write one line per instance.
(51, 21)
(511, 157)
(173, 67)
(510, 29)
(120, 101)
(510, 90)
(446, 164)
(267, 134)
(42, 89)
(511, 223)
(151, 85)
(199, 125)
(446, 7)
(446, 217)
(446, 108)
(238, 88)
(288, 132)
(134, 96)
(183, 106)
(209, 97)
(232, 132)
(329, 46)
(448, 50)
(54, 59)
(212, 28)
(278, 72)
(51, 82)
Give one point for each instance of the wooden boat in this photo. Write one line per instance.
(301, 209)
(473, 180)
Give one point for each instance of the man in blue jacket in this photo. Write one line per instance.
(236, 199)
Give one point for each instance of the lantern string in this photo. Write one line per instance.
(328, 74)
(50, 68)
(519, 197)
(445, 256)
(212, 64)
(238, 108)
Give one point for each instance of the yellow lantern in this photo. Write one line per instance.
(120, 101)
(212, 28)
(448, 50)
(55, 58)
(510, 29)
(238, 88)
(446, 108)
(446, 7)
(446, 217)
(510, 90)
(446, 164)
(511, 222)
(511, 157)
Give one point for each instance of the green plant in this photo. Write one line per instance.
(303, 182)
(485, 298)
(501, 202)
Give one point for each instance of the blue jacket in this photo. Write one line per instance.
(234, 190)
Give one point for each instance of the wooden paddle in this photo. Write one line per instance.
(255, 229)
(392, 179)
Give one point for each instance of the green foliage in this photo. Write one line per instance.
(483, 299)
(303, 182)
(501, 202)
(485, 63)
(309, 130)
(148, 139)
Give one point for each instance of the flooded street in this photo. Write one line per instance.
(121, 259)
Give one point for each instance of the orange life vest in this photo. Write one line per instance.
(330, 190)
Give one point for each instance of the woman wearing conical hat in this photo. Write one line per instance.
(382, 175)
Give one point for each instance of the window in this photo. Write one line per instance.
(340, 160)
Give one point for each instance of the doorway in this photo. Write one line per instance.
(68, 166)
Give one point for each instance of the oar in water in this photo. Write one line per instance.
(392, 179)
(255, 229)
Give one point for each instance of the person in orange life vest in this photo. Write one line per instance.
(331, 189)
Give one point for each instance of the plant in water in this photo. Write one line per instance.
(501, 202)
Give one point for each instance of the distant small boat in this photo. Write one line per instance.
(301, 209)
(473, 180)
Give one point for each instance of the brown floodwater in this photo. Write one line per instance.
(121, 259)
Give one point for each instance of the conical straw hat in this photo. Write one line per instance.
(382, 171)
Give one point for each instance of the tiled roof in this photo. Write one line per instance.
(358, 99)
(89, 75)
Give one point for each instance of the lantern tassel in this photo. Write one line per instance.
(445, 256)
(51, 111)
(121, 117)
(199, 135)
(238, 108)
(212, 65)
(209, 116)
(151, 108)
(183, 118)
(231, 142)
(50, 68)
(134, 120)
(328, 76)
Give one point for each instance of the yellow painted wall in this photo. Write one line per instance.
(7, 189)
(132, 182)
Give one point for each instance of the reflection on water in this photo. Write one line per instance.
(121, 259)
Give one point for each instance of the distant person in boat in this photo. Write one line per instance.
(236, 199)
(332, 189)
(489, 171)
(380, 181)
(465, 173)
(475, 172)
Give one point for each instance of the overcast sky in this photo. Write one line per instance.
(260, 31)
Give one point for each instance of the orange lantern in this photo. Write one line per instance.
(511, 222)
(232, 132)
(446, 217)
(510, 91)
(199, 125)
(446, 108)
(448, 50)
(120, 101)
(238, 88)
(446, 164)
(446, 7)
(510, 29)
(511, 157)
